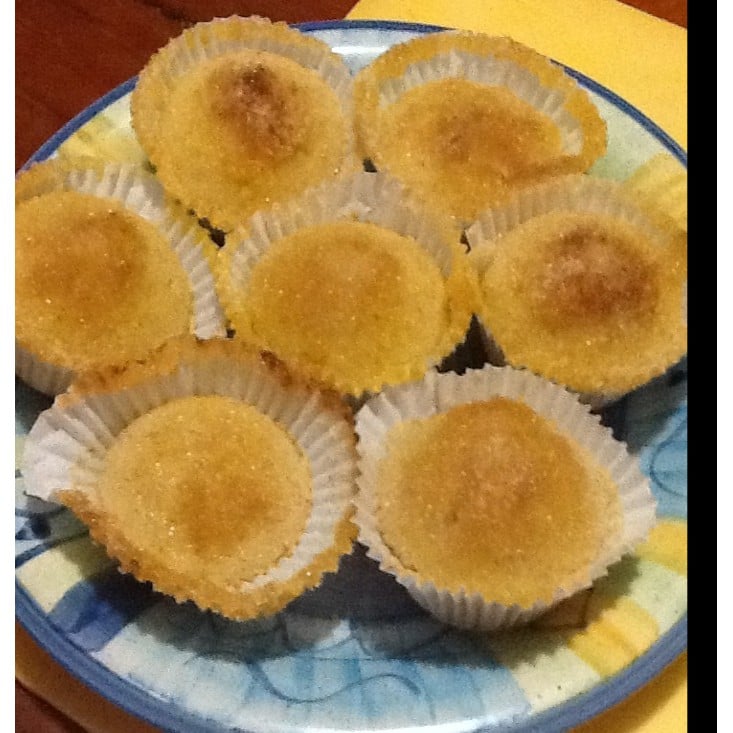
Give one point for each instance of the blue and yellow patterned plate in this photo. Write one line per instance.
(358, 654)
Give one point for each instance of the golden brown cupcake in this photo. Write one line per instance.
(207, 470)
(580, 284)
(465, 119)
(238, 113)
(95, 250)
(354, 284)
(494, 494)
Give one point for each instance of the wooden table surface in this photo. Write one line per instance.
(68, 53)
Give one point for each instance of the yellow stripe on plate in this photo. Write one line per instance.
(661, 592)
(639, 600)
(661, 183)
(598, 632)
(534, 657)
(108, 137)
(620, 631)
(667, 545)
(50, 575)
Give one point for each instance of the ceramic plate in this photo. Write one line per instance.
(358, 654)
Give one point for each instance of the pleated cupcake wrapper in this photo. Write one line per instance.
(577, 193)
(50, 379)
(377, 198)
(209, 40)
(366, 197)
(141, 194)
(67, 445)
(438, 393)
(495, 72)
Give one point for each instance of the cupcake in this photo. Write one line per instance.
(354, 284)
(493, 495)
(207, 470)
(237, 113)
(466, 119)
(106, 270)
(582, 285)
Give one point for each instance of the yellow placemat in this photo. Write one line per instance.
(37, 670)
(658, 707)
(641, 58)
(644, 60)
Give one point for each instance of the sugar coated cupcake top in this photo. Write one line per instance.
(238, 113)
(465, 119)
(355, 284)
(579, 284)
(207, 470)
(494, 494)
(94, 249)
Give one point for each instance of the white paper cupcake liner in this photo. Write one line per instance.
(375, 198)
(438, 393)
(49, 379)
(490, 71)
(493, 63)
(366, 197)
(204, 41)
(141, 194)
(67, 445)
(578, 193)
(221, 36)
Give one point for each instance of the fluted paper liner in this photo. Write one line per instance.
(66, 446)
(487, 60)
(142, 195)
(491, 62)
(578, 193)
(212, 39)
(364, 197)
(438, 393)
(491, 71)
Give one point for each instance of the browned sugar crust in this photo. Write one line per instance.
(489, 497)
